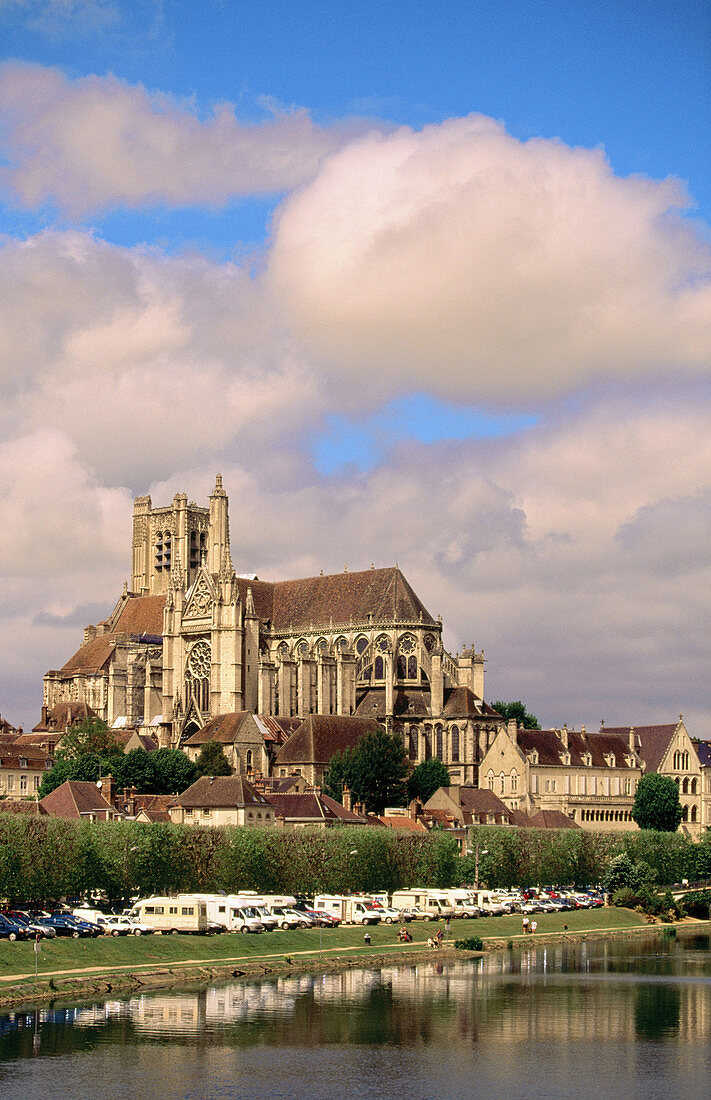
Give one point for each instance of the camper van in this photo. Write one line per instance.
(233, 911)
(464, 904)
(351, 910)
(433, 902)
(183, 913)
(488, 903)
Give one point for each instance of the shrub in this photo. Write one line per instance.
(698, 904)
(473, 943)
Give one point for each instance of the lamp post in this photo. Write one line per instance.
(484, 852)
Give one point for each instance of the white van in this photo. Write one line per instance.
(488, 903)
(232, 911)
(183, 913)
(349, 909)
(464, 904)
(431, 901)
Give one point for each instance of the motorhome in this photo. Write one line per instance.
(349, 909)
(431, 901)
(182, 913)
(488, 903)
(463, 902)
(234, 912)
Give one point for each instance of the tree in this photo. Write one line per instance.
(91, 735)
(375, 770)
(518, 711)
(656, 803)
(337, 776)
(427, 778)
(174, 771)
(212, 760)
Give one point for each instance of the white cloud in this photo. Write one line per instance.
(465, 262)
(98, 142)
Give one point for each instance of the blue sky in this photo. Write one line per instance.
(365, 288)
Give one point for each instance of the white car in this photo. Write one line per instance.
(120, 925)
(390, 916)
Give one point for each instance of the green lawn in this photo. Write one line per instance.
(108, 952)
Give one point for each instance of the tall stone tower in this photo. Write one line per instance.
(176, 537)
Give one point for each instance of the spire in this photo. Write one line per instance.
(218, 491)
(226, 567)
(176, 573)
(249, 606)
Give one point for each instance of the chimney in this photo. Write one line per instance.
(564, 737)
(512, 730)
(107, 788)
(632, 741)
(346, 797)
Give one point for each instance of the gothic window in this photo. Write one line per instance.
(361, 645)
(302, 649)
(413, 743)
(194, 559)
(342, 644)
(439, 743)
(382, 644)
(692, 787)
(685, 761)
(322, 646)
(407, 644)
(685, 786)
(428, 742)
(502, 780)
(490, 780)
(401, 667)
(693, 813)
(412, 668)
(197, 675)
(248, 761)
(429, 642)
(379, 669)
(455, 744)
(514, 782)
(159, 551)
(167, 550)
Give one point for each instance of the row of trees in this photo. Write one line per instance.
(44, 858)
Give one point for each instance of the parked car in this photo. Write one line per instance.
(66, 925)
(12, 930)
(33, 926)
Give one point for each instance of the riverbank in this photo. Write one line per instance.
(71, 969)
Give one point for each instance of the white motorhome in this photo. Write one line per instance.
(349, 909)
(431, 901)
(463, 902)
(182, 913)
(488, 903)
(233, 911)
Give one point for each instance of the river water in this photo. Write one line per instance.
(620, 1020)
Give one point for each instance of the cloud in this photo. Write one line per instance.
(144, 362)
(462, 261)
(59, 18)
(97, 142)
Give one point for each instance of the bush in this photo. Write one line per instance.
(474, 943)
(698, 904)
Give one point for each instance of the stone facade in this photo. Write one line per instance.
(192, 641)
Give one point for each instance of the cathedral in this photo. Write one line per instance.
(191, 641)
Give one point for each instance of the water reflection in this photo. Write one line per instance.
(563, 1020)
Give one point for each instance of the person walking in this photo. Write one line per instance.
(534, 926)
(525, 925)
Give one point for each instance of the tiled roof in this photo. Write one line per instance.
(518, 817)
(320, 736)
(222, 791)
(318, 601)
(6, 730)
(276, 730)
(154, 806)
(141, 615)
(74, 798)
(11, 755)
(92, 657)
(62, 716)
(401, 821)
(552, 819)
(302, 807)
(653, 741)
(224, 728)
(17, 806)
(480, 800)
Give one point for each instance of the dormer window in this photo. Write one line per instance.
(532, 756)
(587, 759)
(611, 760)
(564, 758)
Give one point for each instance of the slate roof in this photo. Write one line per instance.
(401, 821)
(222, 791)
(703, 751)
(6, 730)
(62, 716)
(549, 746)
(11, 754)
(320, 736)
(275, 729)
(407, 702)
(154, 806)
(74, 798)
(92, 657)
(653, 741)
(318, 601)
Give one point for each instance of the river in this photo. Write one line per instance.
(624, 1019)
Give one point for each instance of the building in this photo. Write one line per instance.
(79, 799)
(592, 777)
(191, 642)
(22, 769)
(221, 800)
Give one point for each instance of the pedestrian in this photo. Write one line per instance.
(534, 926)
(446, 927)
(439, 937)
(565, 929)
(525, 925)
(366, 939)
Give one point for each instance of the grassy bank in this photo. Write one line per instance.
(108, 954)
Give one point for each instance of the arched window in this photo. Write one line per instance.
(159, 551)
(693, 813)
(676, 763)
(514, 782)
(685, 762)
(439, 743)
(401, 667)
(490, 780)
(502, 780)
(197, 676)
(167, 549)
(455, 744)
(412, 668)
(692, 787)
(414, 747)
(428, 742)
(685, 815)
(361, 645)
(685, 786)
(379, 669)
